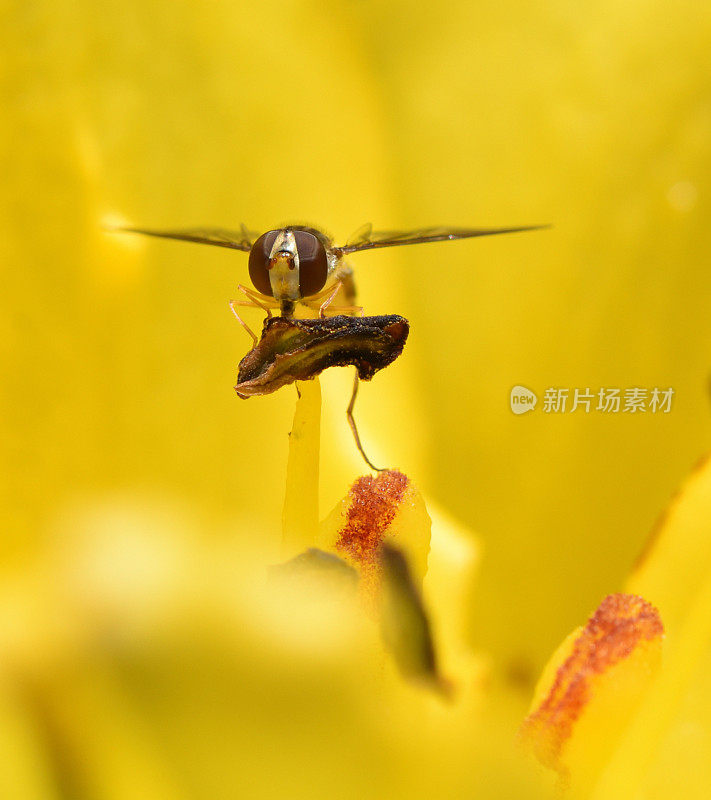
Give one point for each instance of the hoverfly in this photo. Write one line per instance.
(300, 265)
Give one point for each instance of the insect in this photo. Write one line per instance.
(300, 265)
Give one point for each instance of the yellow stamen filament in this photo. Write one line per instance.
(300, 516)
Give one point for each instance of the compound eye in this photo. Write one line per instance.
(313, 264)
(259, 262)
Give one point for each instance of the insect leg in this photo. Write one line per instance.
(331, 309)
(257, 299)
(313, 297)
(233, 304)
(254, 300)
(344, 274)
(351, 422)
(356, 310)
(327, 302)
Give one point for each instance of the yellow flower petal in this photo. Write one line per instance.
(25, 771)
(665, 745)
(676, 563)
(452, 565)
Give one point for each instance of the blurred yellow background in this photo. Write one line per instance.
(119, 354)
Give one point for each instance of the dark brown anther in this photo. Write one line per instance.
(299, 349)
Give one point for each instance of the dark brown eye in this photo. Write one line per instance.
(313, 264)
(259, 262)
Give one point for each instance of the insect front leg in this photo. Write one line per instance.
(259, 300)
(233, 309)
(254, 300)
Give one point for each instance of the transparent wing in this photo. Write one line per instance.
(363, 234)
(219, 237)
(366, 238)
